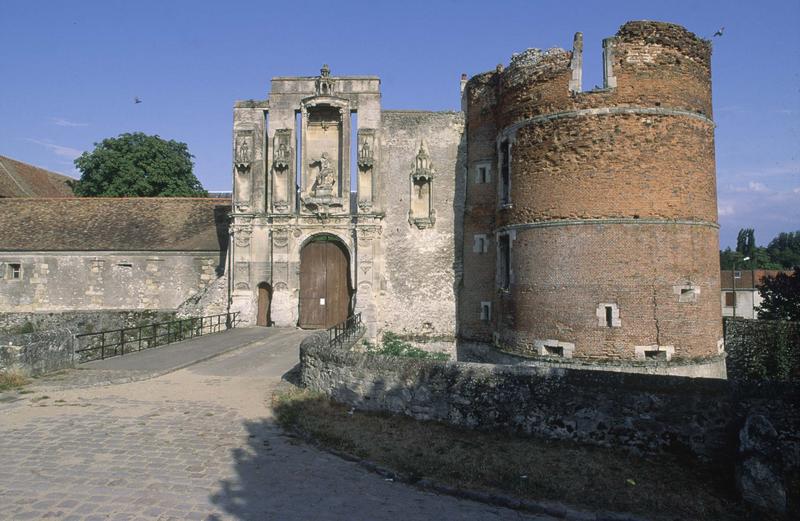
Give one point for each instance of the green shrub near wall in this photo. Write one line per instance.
(762, 349)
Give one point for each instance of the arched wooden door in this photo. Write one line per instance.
(264, 302)
(324, 284)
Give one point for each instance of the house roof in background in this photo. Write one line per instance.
(18, 179)
(114, 224)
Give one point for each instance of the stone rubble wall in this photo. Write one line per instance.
(647, 414)
(84, 321)
(37, 353)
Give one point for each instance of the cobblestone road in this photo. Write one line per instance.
(195, 444)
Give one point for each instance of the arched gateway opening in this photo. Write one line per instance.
(325, 286)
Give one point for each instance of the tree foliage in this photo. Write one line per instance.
(783, 252)
(137, 165)
(780, 297)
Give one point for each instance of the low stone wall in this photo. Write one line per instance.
(710, 367)
(645, 413)
(37, 353)
(80, 321)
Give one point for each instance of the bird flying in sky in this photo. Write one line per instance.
(719, 32)
(136, 99)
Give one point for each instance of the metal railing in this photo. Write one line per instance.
(118, 342)
(345, 332)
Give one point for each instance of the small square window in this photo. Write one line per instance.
(483, 173)
(655, 355)
(486, 311)
(554, 351)
(737, 274)
(480, 244)
(14, 271)
(607, 314)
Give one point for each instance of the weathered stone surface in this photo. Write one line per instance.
(644, 413)
(37, 353)
(758, 472)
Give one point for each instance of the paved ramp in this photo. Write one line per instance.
(182, 354)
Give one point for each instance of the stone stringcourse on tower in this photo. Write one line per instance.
(543, 219)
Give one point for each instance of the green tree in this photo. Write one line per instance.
(137, 165)
(784, 249)
(780, 297)
(746, 246)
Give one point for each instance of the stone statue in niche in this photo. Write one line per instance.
(243, 153)
(421, 213)
(324, 82)
(365, 158)
(326, 177)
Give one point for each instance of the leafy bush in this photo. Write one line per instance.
(393, 345)
(762, 349)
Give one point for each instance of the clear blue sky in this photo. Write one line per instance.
(70, 71)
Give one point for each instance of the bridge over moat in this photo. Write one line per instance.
(197, 443)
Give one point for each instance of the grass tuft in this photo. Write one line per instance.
(12, 380)
(393, 345)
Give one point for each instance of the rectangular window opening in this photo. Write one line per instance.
(125, 265)
(609, 316)
(486, 311)
(554, 351)
(14, 270)
(655, 355)
(730, 299)
(737, 274)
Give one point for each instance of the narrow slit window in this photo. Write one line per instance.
(504, 265)
(505, 172)
(609, 316)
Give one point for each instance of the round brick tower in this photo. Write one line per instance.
(606, 221)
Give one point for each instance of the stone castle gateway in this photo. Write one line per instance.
(541, 218)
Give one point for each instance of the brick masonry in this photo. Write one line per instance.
(612, 201)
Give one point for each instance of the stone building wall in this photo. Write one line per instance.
(68, 281)
(422, 264)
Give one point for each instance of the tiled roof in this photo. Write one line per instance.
(747, 278)
(19, 179)
(121, 224)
